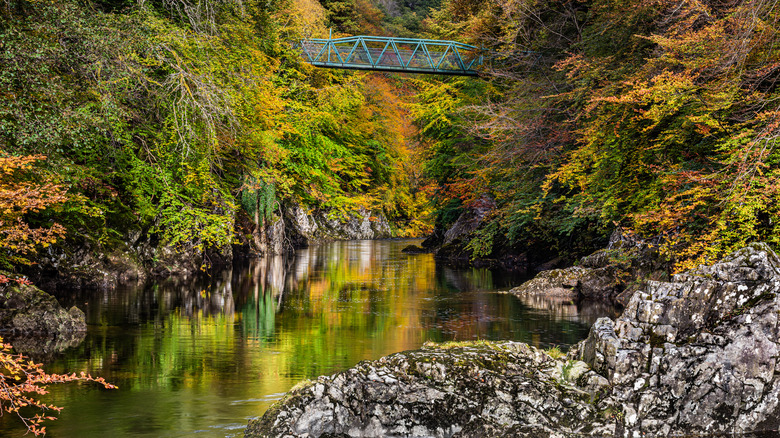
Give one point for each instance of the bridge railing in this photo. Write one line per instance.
(393, 54)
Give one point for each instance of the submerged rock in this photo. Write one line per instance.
(695, 355)
(413, 249)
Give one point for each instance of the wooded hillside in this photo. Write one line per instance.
(188, 122)
(661, 117)
(191, 120)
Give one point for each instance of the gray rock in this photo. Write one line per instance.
(491, 390)
(309, 227)
(553, 283)
(610, 275)
(25, 309)
(469, 220)
(696, 355)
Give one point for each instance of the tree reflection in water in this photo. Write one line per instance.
(203, 355)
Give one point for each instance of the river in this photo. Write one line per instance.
(199, 358)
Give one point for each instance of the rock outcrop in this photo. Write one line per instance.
(694, 355)
(698, 354)
(559, 283)
(450, 245)
(486, 390)
(309, 227)
(609, 275)
(26, 309)
(82, 262)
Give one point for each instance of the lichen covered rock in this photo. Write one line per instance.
(697, 354)
(610, 275)
(563, 283)
(308, 227)
(475, 389)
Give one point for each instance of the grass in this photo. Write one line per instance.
(555, 352)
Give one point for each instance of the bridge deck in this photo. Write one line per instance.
(393, 54)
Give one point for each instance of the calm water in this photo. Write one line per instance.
(199, 359)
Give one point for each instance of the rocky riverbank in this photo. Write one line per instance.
(81, 262)
(697, 354)
(610, 275)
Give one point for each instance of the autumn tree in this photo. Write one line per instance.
(22, 381)
(23, 194)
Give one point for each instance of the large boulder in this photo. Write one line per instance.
(478, 389)
(557, 283)
(25, 309)
(694, 355)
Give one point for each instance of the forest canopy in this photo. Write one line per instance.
(195, 121)
(659, 117)
(181, 118)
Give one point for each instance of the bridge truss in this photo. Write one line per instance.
(393, 54)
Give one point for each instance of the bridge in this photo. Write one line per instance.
(407, 55)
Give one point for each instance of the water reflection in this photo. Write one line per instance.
(564, 308)
(205, 355)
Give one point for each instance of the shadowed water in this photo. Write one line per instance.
(200, 358)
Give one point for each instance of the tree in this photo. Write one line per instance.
(20, 196)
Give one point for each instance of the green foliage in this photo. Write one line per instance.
(259, 199)
(169, 115)
(555, 352)
(343, 15)
(481, 245)
(653, 116)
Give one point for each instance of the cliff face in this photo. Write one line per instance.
(308, 227)
(694, 355)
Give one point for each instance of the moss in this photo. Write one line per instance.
(300, 385)
(460, 344)
(656, 340)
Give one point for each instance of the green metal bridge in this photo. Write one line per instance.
(393, 54)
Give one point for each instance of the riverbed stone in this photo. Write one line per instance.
(561, 283)
(695, 355)
(610, 275)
